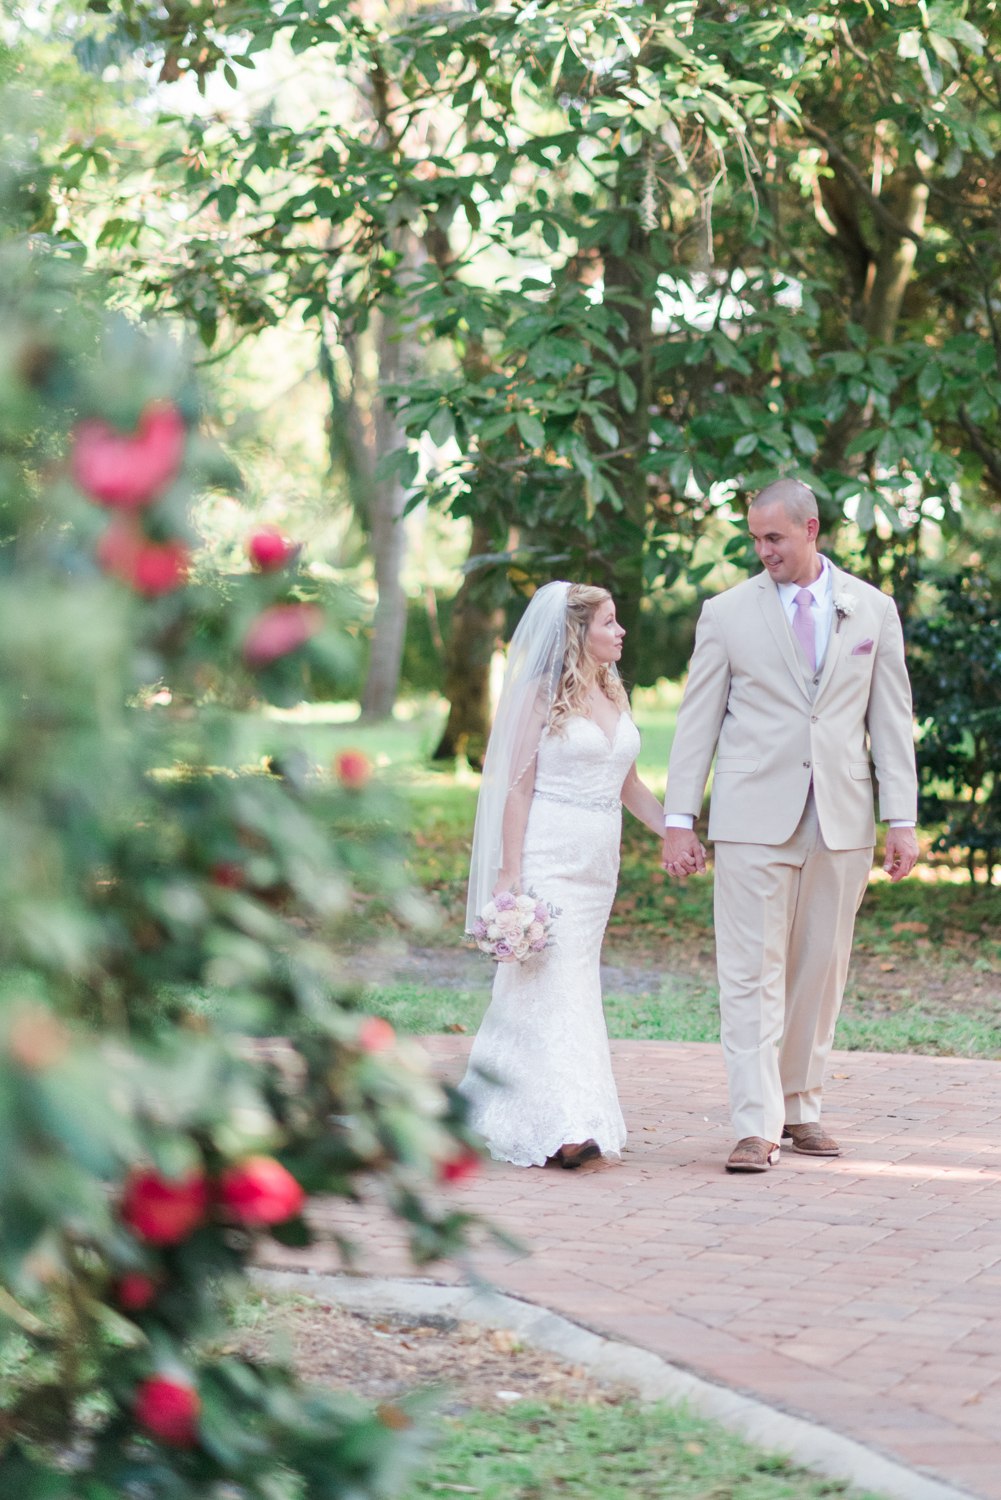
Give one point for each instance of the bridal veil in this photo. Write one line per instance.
(531, 680)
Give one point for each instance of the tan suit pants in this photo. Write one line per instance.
(784, 915)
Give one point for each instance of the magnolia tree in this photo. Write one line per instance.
(179, 1067)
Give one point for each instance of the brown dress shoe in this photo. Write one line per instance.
(570, 1157)
(752, 1154)
(811, 1140)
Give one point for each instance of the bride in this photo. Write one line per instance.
(560, 762)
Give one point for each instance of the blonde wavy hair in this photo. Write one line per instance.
(580, 670)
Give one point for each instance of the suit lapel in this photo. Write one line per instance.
(835, 641)
(771, 606)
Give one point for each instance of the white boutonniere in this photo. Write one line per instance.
(844, 608)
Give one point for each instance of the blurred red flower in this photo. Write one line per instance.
(151, 568)
(269, 549)
(376, 1035)
(353, 769)
(260, 1191)
(458, 1168)
(280, 630)
(128, 471)
(164, 1210)
(134, 1291)
(168, 1409)
(228, 875)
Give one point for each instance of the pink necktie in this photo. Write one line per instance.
(802, 628)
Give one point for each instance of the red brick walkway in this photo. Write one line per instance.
(864, 1293)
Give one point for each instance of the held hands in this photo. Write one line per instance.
(901, 852)
(683, 854)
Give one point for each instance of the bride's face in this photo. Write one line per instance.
(605, 634)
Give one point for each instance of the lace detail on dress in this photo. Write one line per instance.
(544, 1035)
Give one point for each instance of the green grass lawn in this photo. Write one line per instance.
(608, 1453)
(682, 1009)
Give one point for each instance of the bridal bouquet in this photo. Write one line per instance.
(511, 928)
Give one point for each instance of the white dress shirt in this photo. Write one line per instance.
(822, 610)
(821, 606)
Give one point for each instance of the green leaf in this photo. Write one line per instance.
(804, 439)
(863, 441)
(628, 393)
(627, 34)
(605, 429)
(930, 380)
(745, 444)
(493, 427)
(227, 199)
(441, 427)
(533, 434)
(890, 512)
(865, 516)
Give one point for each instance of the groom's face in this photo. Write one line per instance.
(787, 550)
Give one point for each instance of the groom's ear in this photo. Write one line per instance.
(813, 528)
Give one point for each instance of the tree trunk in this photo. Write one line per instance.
(476, 624)
(379, 356)
(893, 266)
(387, 536)
(624, 572)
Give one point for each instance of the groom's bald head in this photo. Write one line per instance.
(796, 499)
(784, 522)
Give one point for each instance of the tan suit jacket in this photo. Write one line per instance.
(778, 726)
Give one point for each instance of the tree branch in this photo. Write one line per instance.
(887, 219)
(991, 460)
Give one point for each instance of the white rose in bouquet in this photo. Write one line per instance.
(513, 928)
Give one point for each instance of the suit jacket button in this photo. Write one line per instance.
(807, 764)
(813, 718)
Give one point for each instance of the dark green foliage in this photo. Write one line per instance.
(171, 995)
(954, 655)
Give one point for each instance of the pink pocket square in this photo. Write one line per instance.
(864, 648)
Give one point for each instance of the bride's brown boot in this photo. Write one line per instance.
(571, 1155)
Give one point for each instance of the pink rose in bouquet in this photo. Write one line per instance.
(512, 928)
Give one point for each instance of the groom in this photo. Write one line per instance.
(791, 671)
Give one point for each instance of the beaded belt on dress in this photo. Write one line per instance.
(594, 804)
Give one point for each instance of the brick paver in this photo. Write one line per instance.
(864, 1293)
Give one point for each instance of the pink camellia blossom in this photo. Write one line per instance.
(169, 1410)
(269, 549)
(280, 630)
(151, 568)
(127, 471)
(507, 921)
(539, 944)
(479, 928)
(353, 769)
(260, 1191)
(376, 1035)
(505, 901)
(541, 913)
(466, 1164)
(535, 932)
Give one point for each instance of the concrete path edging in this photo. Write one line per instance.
(653, 1378)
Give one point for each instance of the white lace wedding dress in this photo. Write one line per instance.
(543, 1038)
